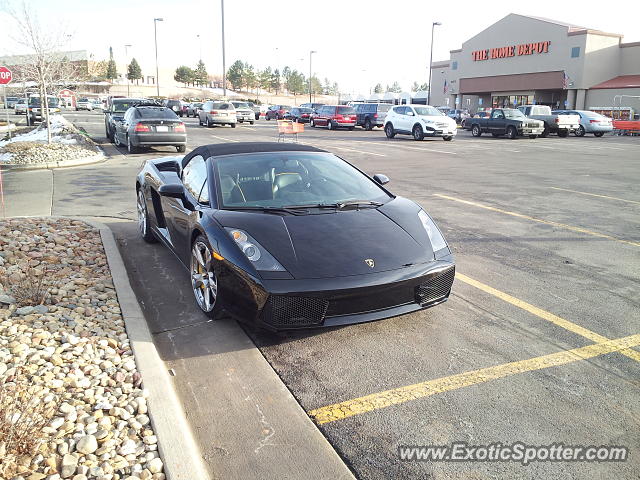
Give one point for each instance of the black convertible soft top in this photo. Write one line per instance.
(219, 149)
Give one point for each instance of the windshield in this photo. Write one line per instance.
(221, 106)
(428, 111)
(51, 101)
(513, 114)
(279, 179)
(240, 105)
(121, 107)
(346, 111)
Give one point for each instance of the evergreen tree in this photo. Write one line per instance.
(184, 75)
(235, 74)
(264, 79)
(134, 72)
(200, 75)
(295, 82)
(275, 81)
(378, 88)
(395, 88)
(112, 72)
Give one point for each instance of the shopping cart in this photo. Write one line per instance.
(288, 127)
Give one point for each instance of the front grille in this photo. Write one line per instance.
(286, 311)
(442, 125)
(436, 288)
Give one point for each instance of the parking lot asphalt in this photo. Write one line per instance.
(546, 235)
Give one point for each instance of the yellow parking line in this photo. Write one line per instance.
(595, 195)
(538, 312)
(539, 220)
(375, 401)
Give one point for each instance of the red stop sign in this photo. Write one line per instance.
(5, 75)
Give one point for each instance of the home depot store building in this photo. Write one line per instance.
(523, 59)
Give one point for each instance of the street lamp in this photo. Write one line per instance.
(310, 72)
(200, 41)
(224, 67)
(126, 56)
(430, 62)
(155, 36)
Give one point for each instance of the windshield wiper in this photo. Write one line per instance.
(251, 208)
(338, 205)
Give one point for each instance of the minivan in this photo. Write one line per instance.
(334, 116)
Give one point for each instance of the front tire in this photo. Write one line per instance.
(475, 131)
(417, 132)
(312, 123)
(143, 219)
(512, 133)
(330, 125)
(367, 124)
(204, 281)
(448, 138)
(598, 134)
(579, 132)
(233, 125)
(563, 133)
(389, 131)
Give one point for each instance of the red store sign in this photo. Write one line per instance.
(511, 51)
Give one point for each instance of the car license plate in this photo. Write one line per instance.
(162, 129)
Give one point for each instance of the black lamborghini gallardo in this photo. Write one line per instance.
(290, 236)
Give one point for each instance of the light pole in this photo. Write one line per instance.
(155, 36)
(224, 66)
(310, 72)
(430, 62)
(200, 41)
(126, 55)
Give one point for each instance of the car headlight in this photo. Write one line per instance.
(256, 253)
(425, 120)
(437, 240)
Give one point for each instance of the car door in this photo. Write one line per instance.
(498, 123)
(400, 118)
(181, 213)
(121, 128)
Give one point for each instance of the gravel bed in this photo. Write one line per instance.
(29, 148)
(75, 350)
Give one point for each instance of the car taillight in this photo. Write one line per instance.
(557, 119)
(339, 117)
(142, 128)
(594, 121)
(375, 115)
(213, 112)
(179, 128)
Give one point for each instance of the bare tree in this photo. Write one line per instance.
(45, 63)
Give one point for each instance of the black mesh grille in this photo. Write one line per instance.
(436, 288)
(285, 311)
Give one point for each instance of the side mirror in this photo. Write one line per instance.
(381, 179)
(410, 113)
(173, 190)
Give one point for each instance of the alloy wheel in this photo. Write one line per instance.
(203, 278)
(142, 213)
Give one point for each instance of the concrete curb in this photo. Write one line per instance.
(99, 157)
(179, 451)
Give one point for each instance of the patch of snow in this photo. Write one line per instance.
(5, 157)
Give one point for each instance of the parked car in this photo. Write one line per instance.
(458, 115)
(35, 106)
(96, 104)
(244, 113)
(420, 121)
(175, 105)
(369, 115)
(507, 121)
(560, 124)
(84, 104)
(20, 108)
(217, 113)
(277, 112)
(299, 114)
(255, 108)
(150, 125)
(334, 116)
(312, 105)
(192, 109)
(590, 122)
(115, 112)
(11, 102)
(243, 219)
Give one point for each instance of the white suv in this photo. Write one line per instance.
(420, 121)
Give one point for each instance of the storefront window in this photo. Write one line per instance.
(511, 101)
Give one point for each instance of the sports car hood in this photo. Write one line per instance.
(335, 244)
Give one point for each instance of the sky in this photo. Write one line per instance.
(359, 43)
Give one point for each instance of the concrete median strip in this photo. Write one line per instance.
(181, 456)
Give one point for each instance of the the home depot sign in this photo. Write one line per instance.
(511, 51)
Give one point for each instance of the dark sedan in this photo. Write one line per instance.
(299, 114)
(277, 112)
(150, 125)
(289, 236)
(114, 113)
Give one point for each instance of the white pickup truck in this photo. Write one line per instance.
(561, 124)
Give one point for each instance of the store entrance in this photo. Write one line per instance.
(511, 101)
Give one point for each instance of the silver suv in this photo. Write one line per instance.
(244, 113)
(217, 113)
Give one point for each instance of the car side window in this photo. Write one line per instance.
(204, 194)
(194, 175)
